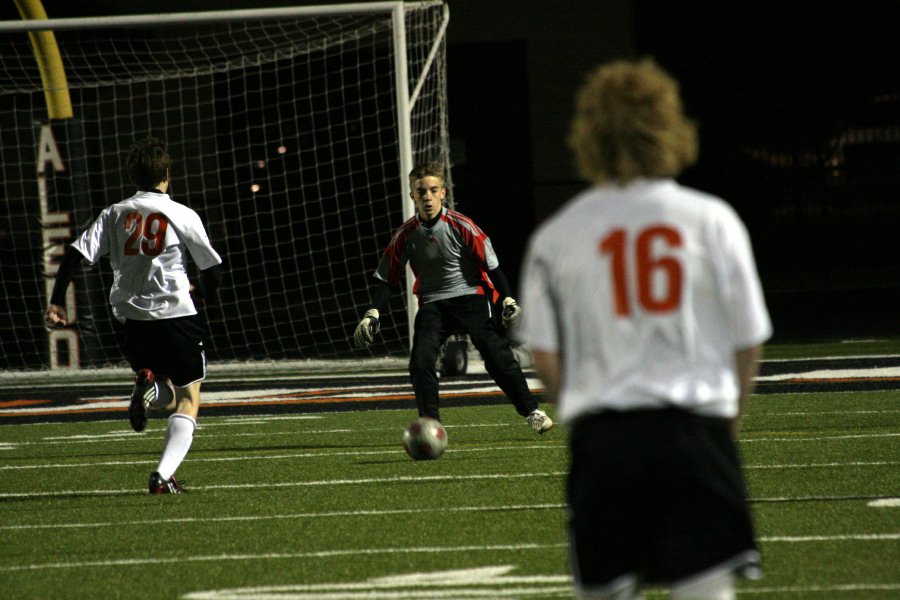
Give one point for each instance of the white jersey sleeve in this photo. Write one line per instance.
(739, 284)
(538, 296)
(193, 235)
(93, 244)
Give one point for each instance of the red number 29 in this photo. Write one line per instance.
(146, 236)
(647, 266)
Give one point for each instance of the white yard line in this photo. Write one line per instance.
(305, 515)
(130, 437)
(885, 503)
(160, 560)
(275, 555)
(291, 484)
(819, 438)
(830, 465)
(849, 587)
(331, 454)
(290, 456)
(370, 513)
(159, 427)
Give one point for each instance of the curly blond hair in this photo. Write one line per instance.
(629, 122)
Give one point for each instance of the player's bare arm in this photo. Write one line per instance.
(747, 362)
(546, 365)
(55, 315)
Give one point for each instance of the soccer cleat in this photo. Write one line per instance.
(158, 485)
(539, 421)
(143, 394)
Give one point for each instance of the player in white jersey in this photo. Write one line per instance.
(645, 318)
(458, 282)
(148, 239)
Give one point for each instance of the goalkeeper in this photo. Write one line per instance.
(458, 283)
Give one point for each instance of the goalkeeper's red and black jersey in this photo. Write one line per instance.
(451, 258)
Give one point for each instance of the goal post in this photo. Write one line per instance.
(292, 131)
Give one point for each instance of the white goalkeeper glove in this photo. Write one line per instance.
(511, 310)
(367, 328)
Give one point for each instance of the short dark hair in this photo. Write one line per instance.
(148, 163)
(432, 169)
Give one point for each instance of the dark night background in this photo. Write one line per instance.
(798, 105)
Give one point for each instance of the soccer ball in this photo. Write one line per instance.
(425, 439)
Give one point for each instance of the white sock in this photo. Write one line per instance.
(624, 587)
(179, 435)
(719, 586)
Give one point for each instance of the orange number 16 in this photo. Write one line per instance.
(647, 266)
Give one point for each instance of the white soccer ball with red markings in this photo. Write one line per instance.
(425, 439)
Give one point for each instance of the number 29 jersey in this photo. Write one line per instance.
(645, 291)
(148, 238)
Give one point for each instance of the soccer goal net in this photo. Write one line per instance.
(291, 132)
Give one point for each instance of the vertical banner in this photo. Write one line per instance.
(56, 231)
(66, 210)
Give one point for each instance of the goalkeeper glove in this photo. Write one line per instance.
(511, 310)
(367, 328)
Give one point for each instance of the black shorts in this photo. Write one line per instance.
(657, 495)
(171, 347)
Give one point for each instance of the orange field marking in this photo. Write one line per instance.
(273, 400)
(17, 403)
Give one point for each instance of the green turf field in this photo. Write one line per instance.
(328, 506)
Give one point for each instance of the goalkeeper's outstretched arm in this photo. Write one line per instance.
(381, 295)
(510, 308)
(370, 324)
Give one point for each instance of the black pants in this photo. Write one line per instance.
(656, 494)
(471, 315)
(170, 347)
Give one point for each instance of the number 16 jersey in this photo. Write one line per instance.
(148, 238)
(645, 291)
